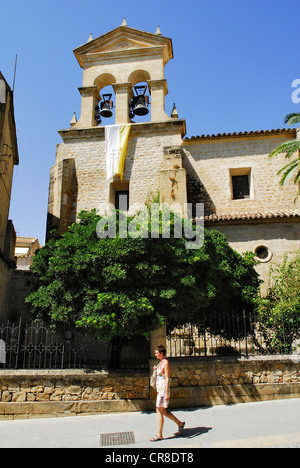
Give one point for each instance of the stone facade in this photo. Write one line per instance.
(78, 179)
(9, 157)
(20, 286)
(6, 271)
(160, 159)
(280, 236)
(211, 161)
(269, 217)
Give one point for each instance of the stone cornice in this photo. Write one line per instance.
(112, 56)
(172, 125)
(111, 45)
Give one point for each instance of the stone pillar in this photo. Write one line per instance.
(158, 90)
(172, 181)
(61, 194)
(158, 337)
(89, 101)
(123, 93)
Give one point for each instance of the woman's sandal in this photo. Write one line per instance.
(156, 438)
(180, 429)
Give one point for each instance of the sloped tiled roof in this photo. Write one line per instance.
(26, 240)
(284, 131)
(280, 214)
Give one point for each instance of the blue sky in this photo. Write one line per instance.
(233, 68)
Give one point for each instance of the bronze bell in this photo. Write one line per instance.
(140, 108)
(140, 101)
(106, 106)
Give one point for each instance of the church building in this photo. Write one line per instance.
(123, 94)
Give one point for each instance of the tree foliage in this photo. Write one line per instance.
(290, 148)
(123, 286)
(279, 310)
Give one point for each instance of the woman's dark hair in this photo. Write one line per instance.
(161, 349)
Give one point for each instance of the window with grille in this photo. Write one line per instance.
(240, 186)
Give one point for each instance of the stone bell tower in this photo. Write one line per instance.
(120, 59)
(123, 58)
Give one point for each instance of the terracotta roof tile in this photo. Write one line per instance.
(288, 131)
(26, 240)
(252, 216)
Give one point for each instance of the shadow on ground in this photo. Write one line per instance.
(190, 433)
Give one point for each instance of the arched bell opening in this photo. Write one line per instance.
(105, 114)
(104, 110)
(139, 107)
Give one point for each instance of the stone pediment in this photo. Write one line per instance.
(123, 41)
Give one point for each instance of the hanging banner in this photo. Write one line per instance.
(116, 143)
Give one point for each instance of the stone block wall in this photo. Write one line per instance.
(256, 371)
(229, 381)
(29, 394)
(21, 285)
(42, 386)
(90, 188)
(195, 382)
(280, 238)
(6, 271)
(211, 162)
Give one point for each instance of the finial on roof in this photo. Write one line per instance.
(73, 120)
(124, 23)
(157, 32)
(174, 113)
(90, 38)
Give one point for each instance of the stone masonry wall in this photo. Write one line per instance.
(90, 187)
(210, 162)
(5, 275)
(21, 285)
(29, 386)
(281, 239)
(195, 382)
(230, 371)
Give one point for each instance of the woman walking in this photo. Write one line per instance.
(163, 394)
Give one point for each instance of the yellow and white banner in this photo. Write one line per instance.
(116, 143)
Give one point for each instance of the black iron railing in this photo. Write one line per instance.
(33, 346)
(217, 334)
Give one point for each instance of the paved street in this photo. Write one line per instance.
(249, 425)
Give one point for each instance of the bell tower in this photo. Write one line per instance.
(123, 86)
(123, 58)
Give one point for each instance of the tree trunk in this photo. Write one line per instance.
(115, 353)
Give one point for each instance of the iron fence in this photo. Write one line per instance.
(234, 333)
(34, 346)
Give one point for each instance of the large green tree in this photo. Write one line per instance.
(279, 310)
(290, 149)
(124, 286)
